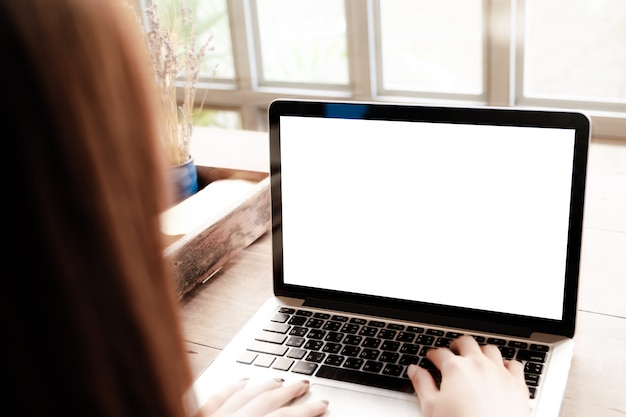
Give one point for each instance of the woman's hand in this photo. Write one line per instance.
(475, 381)
(268, 399)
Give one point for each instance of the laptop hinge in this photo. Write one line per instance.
(421, 317)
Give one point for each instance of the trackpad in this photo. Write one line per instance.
(345, 402)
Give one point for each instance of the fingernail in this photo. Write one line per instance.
(305, 386)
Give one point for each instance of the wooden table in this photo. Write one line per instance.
(213, 312)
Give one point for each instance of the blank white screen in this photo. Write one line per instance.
(454, 214)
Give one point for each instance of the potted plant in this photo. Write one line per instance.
(176, 60)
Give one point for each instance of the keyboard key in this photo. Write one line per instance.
(407, 360)
(350, 328)
(264, 361)
(296, 353)
(387, 334)
(269, 348)
(373, 366)
(306, 368)
(435, 332)
(529, 355)
(532, 379)
(507, 352)
(405, 337)
(539, 348)
(389, 357)
(298, 331)
(390, 345)
(313, 323)
(350, 351)
(304, 313)
(373, 380)
(331, 347)
(409, 349)
(297, 320)
(276, 327)
(353, 363)
(443, 342)
(392, 370)
(271, 337)
(425, 340)
(368, 331)
(280, 317)
(371, 354)
(427, 364)
(496, 341)
(247, 357)
(533, 368)
(313, 345)
(371, 342)
(315, 357)
(283, 364)
(333, 326)
(316, 334)
(334, 360)
(353, 340)
(415, 329)
(295, 341)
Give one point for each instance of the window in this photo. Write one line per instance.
(573, 50)
(430, 48)
(567, 54)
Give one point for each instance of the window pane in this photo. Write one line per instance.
(432, 46)
(217, 118)
(210, 18)
(575, 49)
(303, 41)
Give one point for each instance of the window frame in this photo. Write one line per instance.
(503, 70)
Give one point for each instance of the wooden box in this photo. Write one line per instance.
(229, 212)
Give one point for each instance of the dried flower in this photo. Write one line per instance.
(175, 59)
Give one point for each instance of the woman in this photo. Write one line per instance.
(89, 312)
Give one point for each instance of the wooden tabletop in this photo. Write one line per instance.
(213, 312)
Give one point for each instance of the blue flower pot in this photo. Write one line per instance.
(183, 180)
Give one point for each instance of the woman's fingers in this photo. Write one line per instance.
(248, 395)
(272, 400)
(440, 356)
(218, 400)
(516, 368)
(424, 384)
(465, 345)
(492, 352)
(306, 409)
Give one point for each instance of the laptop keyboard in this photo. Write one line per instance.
(369, 352)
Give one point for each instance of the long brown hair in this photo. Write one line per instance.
(89, 314)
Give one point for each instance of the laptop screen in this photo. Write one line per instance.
(452, 213)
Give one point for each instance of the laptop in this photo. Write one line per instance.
(395, 229)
